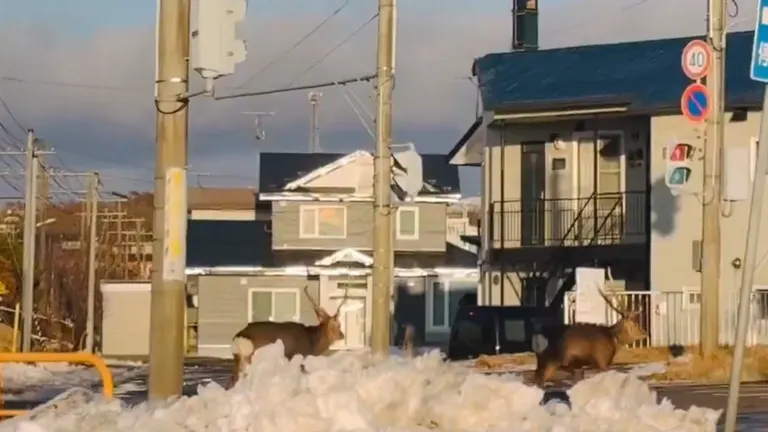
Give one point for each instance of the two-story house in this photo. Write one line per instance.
(320, 236)
(574, 146)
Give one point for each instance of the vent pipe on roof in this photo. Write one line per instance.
(525, 25)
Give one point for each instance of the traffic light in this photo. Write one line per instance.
(214, 44)
(679, 157)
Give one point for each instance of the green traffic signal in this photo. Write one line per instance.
(679, 176)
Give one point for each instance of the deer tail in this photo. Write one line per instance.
(242, 350)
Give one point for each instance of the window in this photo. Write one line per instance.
(323, 222)
(443, 297)
(514, 330)
(273, 305)
(609, 165)
(408, 223)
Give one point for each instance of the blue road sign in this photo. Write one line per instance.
(758, 71)
(695, 103)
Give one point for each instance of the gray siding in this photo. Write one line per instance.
(125, 323)
(224, 302)
(286, 219)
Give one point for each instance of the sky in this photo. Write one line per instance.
(80, 73)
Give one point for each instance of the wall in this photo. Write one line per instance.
(286, 219)
(223, 307)
(125, 318)
(676, 221)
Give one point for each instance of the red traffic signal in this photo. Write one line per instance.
(681, 153)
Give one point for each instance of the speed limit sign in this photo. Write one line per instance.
(696, 59)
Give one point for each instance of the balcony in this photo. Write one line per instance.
(600, 219)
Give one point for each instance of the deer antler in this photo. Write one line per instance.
(319, 311)
(341, 303)
(622, 313)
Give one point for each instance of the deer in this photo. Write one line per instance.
(571, 347)
(297, 338)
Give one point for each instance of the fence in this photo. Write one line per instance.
(672, 318)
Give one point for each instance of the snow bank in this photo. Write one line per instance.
(352, 391)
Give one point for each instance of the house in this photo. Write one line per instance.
(225, 204)
(320, 237)
(573, 145)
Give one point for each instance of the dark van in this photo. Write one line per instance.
(490, 330)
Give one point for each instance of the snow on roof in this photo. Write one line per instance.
(351, 391)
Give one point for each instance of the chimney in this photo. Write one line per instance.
(525, 25)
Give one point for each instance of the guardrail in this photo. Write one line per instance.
(78, 358)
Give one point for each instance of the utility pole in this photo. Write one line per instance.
(42, 204)
(30, 227)
(93, 199)
(383, 257)
(710, 236)
(166, 343)
(314, 133)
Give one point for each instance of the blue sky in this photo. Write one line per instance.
(110, 43)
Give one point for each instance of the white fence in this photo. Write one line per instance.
(672, 318)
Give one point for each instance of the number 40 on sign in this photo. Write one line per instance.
(696, 58)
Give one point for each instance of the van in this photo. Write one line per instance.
(492, 330)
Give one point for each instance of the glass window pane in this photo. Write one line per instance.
(610, 153)
(610, 182)
(514, 330)
(308, 221)
(261, 306)
(438, 304)
(331, 221)
(284, 306)
(407, 222)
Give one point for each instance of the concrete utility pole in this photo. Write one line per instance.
(314, 132)
(383, 257)
(166, 343)
(93, 199)
(30, 227)
(715, 135)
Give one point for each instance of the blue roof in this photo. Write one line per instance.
(645, 75)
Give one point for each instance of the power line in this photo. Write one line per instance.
(73, 85)
(332, 50)
(295, 45)
(13, 117)
(364, 78)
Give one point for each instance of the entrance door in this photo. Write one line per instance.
(352, 317)
(533, 177)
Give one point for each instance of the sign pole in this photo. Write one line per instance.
(758, 72)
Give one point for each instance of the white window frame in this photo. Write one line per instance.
(316, 234)
(272, 291)
(578, 136)
(429, 315)
(416, 227)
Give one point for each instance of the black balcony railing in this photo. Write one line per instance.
(606, 218)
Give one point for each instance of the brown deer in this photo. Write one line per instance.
(297, 338)
(570, 347)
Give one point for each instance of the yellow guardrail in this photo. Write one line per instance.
(77, 357)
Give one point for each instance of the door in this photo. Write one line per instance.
(352, 317)
(533, 175)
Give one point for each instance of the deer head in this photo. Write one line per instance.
(627, 329)
(329, 324)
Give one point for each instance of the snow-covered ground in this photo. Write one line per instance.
(351, 391)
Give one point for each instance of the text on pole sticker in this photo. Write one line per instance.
(175, 225)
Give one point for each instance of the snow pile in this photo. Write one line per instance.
(352, 391)
(18, 376)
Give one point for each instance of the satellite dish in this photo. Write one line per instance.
(412, 181)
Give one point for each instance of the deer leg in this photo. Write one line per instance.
(544, 373)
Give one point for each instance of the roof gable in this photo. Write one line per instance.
(281, 171)
(644, 75)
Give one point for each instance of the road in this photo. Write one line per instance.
(753, 401)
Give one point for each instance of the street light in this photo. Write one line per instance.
(46, 222)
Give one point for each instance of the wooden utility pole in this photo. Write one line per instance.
(166, 343)
(93, 199)
(42, 241)
(383, 256)
(30, 227)
(715, 134)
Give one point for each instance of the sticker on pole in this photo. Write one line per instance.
(696, 59)
(175, 225)
(695, 103)
(758, 69)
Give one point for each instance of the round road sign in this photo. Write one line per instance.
(696, 59)
(695, 103)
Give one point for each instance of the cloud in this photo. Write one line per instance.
(113, 130)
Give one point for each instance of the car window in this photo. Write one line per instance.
(475, 329)
(514, 330)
